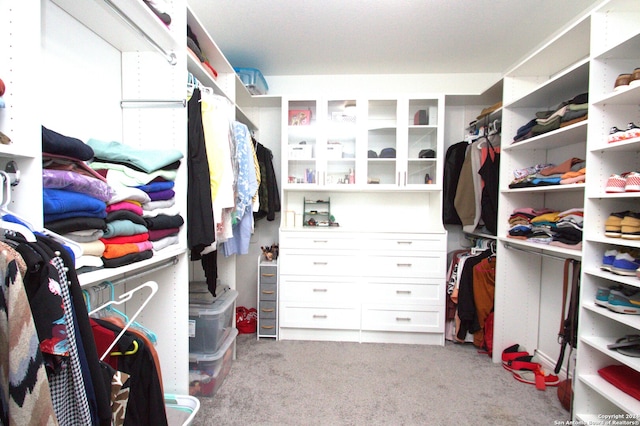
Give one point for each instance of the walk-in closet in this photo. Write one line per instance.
(191, 191)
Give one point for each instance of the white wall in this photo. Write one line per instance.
(374, 84)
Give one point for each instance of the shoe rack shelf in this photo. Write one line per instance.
(528, 308)
(615, 37)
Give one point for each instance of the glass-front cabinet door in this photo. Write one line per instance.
(321, 143)
(422, 141)
(340, 148)
(382, 142)
(302, 138)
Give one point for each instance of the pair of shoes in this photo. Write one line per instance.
(625, 80)
(621, 262)
(619, 299)
(628, 345)
(613, 224)
(622, 81)
(526, 368)
(624, 301)
(626, 182)
(624, 225)
(624, 263)
(630, 226)
(616, 134)
(513, 352)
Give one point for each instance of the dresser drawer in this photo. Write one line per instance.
(405, 242)
(308, 289)
(268, 274)
(413, 291)
(429, 264)
(300, 316)
(380, 317)
(318, 264)
(267, 310)
(318, 240)
(268, 291)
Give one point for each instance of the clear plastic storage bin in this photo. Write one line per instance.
(207, 372)
(210, 324)
(253, 80)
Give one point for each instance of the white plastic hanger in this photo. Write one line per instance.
(20, 228)
(75, 247)
(122, 299)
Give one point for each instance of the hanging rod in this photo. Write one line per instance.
(539, 253)
(170, 262)
(170, 57)
(151, 103)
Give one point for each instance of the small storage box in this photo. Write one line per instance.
(207, 372)
(300, 152)
(299, 117)
(253, 80)
(210, 324)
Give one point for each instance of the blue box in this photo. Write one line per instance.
(253, 80)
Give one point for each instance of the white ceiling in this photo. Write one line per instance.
(307, 37)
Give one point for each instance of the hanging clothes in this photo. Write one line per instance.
(201, 229)
(78, 392)
(490, 172)
(454, 158)
(268, 192)
(23, 378)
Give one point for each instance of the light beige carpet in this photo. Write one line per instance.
(329, 383)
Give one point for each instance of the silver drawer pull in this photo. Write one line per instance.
(404, 265)
(268, 275)
(321, 241)
(406, 319)
(403, 291)
(320, 290)
(405, 242)
(268, 292)
(320, 263)
(320, 316)
(267, 327)
(267, 310)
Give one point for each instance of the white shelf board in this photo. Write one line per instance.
(100, 18)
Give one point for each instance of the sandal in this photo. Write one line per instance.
(628, 345)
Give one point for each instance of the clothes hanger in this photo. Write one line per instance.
(9, 221)
(152, 285)
(74, 246)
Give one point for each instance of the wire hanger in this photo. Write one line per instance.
(122, 299)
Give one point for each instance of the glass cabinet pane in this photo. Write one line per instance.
(422, 141)
(340, 149)
(302, 142)
(381, 141)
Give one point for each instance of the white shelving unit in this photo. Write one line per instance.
(97, 62)
(529, 276)
(615, 37)
(370, 279)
